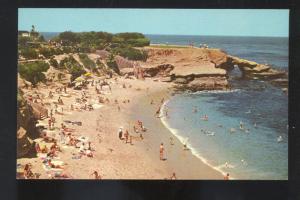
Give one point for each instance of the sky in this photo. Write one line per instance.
(226, 22)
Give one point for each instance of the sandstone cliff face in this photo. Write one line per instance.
(26, 130)
(189, 68)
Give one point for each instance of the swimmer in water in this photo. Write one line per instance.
(244, 162)
(226, 164)
(195, 110)
(205, 118)
(241, 125)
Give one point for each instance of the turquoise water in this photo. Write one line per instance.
(259, 106)
(252, 154)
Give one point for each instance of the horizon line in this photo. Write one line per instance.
(165, 34)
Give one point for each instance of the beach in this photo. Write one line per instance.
(112, 157)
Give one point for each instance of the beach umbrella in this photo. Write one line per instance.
(79, 79)
(88, 74)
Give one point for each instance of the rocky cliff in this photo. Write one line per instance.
(26, 130)
(204, 69)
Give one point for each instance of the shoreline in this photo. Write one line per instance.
(191, 148)
(112, 157)
(177, 158)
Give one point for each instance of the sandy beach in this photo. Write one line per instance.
(112, 157)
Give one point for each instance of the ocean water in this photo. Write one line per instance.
(252, 152)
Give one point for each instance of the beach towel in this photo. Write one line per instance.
(83, 139)
(97, 106)
(66, 95)
(48, 168)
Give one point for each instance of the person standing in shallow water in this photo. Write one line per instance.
(161, 151)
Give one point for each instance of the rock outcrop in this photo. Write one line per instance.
(255, 70)
(26, 129)
(189, 68)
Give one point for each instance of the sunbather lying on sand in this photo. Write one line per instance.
(56, 166)
(59, 175)
(52, 153)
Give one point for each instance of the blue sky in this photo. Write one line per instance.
(159, 21)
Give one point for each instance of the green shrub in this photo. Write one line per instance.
(53, 63)
(140, 42)
(112, 64)
(76, 71)
(127, 36)
(73, 67)
(69, 37)
(22, 41)
(87, 62)
(66, 50)
(131, 53)
(47, 52)
(29, 53)
(32, 71)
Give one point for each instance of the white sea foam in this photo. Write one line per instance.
(215, 91)
(184, 140)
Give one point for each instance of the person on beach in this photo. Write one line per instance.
(162, 100)
(60, 101)
(119, 108)
(120, 133)
(49, 124)
(126, 135)
(185, 148)
(52, 153)
(226, 177)
(27, 171)
(81, 148)
(55, 146)
(157, 112)
(135, 129)
(161, 151)
(96, 175)
(50, 164)
(141, 136)
(173, 177)
(152, 102)
(130, 139)
(50, 95)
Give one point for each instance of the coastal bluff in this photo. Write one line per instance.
(203, 68)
